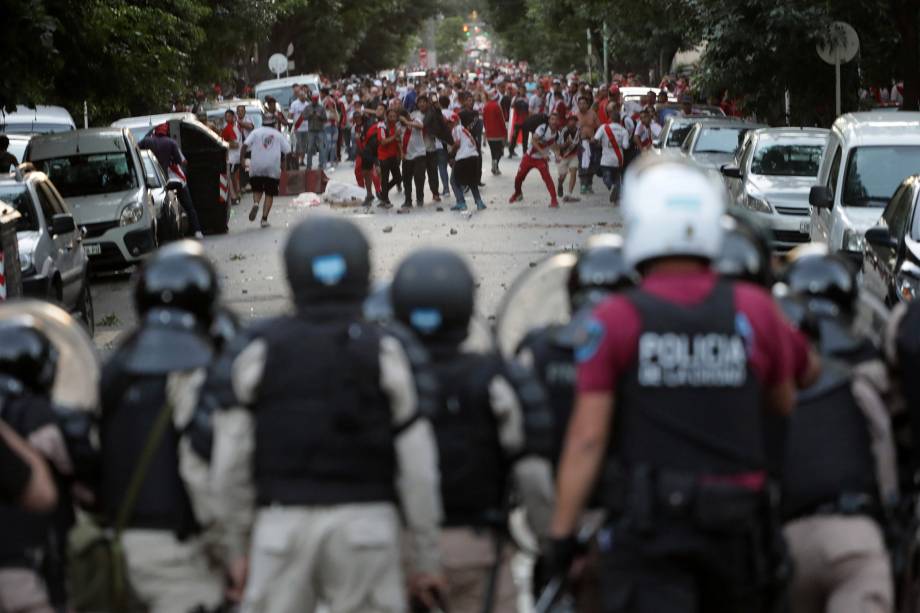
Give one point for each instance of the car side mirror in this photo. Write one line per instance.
(732, 172)
(62, 224)
(151, 182)
(880, 236)
(821, 197)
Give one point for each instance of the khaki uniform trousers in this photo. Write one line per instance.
(346, 557)
(23, 591)
(468, 557)
(841, 566)
(170, 576)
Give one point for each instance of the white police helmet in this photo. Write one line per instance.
(671, 208)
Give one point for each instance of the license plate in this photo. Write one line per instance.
(805, 227)
(93, 249)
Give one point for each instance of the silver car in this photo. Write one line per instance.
(712, 144)
(101, 174)
(172, 222)
(771, 178)
(51, 257)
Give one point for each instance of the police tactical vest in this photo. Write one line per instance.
(472, 462)
(322, 423)
(554, 366)
(828, 450)
(131, 404)
(691, 401)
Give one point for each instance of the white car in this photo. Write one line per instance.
(772, 176)
(868, 155)
(38, 120)
(100, 173)
(280, 89)
(142, 125)
(713, 144)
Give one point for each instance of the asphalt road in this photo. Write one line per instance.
(500, 242)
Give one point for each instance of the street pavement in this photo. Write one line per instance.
(500, 243)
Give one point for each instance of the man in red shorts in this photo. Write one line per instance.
(544, 140)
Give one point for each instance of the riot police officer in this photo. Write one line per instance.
(148, 393)
(550, 351)
(32, 555)
(326, 438)
(836, 488)
(746, 253)
(672, 383)
(491, 427)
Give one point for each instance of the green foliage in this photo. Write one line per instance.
(449, 39)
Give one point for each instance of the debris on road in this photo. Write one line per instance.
(388, 229)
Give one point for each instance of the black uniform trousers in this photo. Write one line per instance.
(414, 170)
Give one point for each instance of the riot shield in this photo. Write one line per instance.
(871, 318)
(538, 298)
(76, 383)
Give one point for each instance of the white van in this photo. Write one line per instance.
(100, 173)
(38, 120)
(280, 89)
(867, 157)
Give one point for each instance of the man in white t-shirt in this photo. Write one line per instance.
(268, 146)
(614, 141)
(414, 156)
(298, 105)
(543, 141)
(647, 131)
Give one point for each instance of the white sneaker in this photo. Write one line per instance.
(264, 223)
(199, 235)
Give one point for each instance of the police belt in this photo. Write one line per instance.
(847, 503)
(644, 494)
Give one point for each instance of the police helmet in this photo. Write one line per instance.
(828, 281)
(433, 293)
(600, 269)
(27, 356)
(327, 260)
(178, 276)
(746, 253)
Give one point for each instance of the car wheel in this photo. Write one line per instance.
(85, 306)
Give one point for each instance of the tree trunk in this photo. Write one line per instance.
(906, 13)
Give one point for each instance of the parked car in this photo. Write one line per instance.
(38, 120)
(771, 177)
(253, 111)
(891, 254)
(676, 129)
(280, 89)
(712, 144)
(141, 126)
(868, 155)
(172, 222)
(672, 109)
(51, 256)
(18, 144)
(101, 174)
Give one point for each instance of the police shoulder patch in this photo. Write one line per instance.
(588, 338)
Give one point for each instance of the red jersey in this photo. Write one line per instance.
(389, 150)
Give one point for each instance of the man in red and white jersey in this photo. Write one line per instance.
(543, 142)
(647, 131)
(614, 141)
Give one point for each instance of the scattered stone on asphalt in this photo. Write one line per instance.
(453, 231)
(388, 229)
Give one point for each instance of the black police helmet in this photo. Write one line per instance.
(825, 280)
(746, 253)
(27, 356)
(600, 269)
(433, 293)
(178, 276)
(327, 260)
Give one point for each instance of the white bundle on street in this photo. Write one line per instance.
(307, 199)
(343, 193)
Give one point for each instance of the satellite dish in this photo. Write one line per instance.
(841, 44)
(278, 63)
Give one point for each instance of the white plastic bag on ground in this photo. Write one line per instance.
(343, 193)
(307, 199)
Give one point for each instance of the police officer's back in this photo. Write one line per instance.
(149, 388)
(672, 386)
(326, 440)
(492, 427)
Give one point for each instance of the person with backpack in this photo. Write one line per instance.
(544, 141)
(614, 141)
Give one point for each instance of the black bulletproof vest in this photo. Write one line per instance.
(23, 535)
(690, 402)
(131, 404)
(472, 463)
(322, 422)
(554, 366)
(828, 450)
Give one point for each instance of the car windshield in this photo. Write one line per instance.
(95, 173)
(677, 135)
(719, 140)
(787, 160)
(19, 198)
(874, 173)
(18, 148)
(282, 95)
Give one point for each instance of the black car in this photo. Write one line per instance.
(891, 260)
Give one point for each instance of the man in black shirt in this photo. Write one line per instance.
(7, 159)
